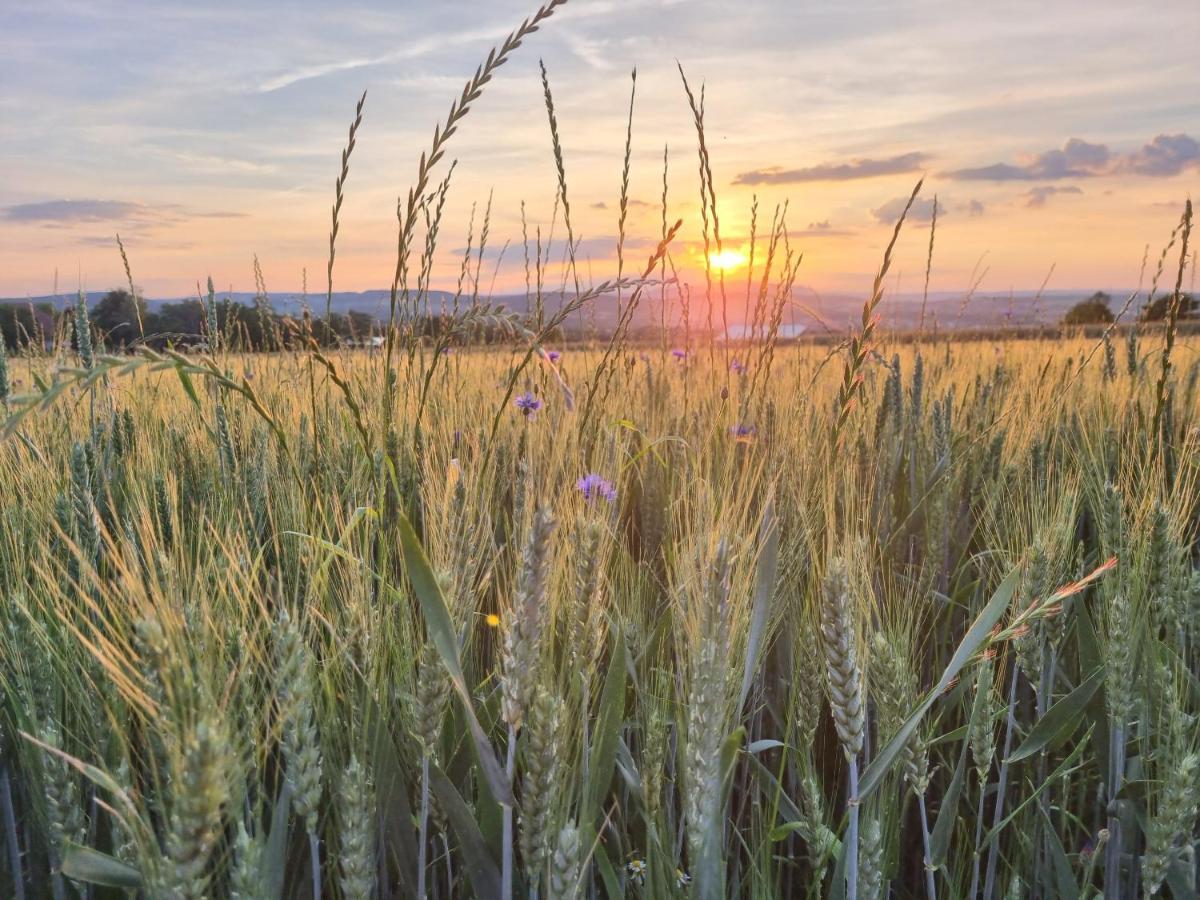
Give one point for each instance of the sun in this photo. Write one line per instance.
(726, 260)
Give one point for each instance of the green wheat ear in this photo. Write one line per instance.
(356, 808)
(839, 639)
(525, 626)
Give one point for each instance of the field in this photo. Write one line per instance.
(246, 618)
(476, 613)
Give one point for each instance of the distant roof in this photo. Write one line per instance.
(746, 332)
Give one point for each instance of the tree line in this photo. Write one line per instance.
(1097, 309)
(120, 321)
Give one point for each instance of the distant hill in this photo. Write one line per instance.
(811, 308)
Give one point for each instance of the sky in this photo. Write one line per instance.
(1053, 134)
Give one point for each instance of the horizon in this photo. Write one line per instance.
(185, 139)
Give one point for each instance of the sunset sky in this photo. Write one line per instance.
(1059, 133)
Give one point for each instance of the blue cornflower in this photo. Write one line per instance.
(743, 434)
(528, 404)
(594, 486)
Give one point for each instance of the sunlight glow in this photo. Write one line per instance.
(727, 259)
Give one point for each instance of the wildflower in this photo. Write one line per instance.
(738, 367)
(743, 434)
(492, 620)
(446, 351)
(595, 486)
(637, 870)
(682, 878)
(680, 355)
(553, 355)
(528, 404)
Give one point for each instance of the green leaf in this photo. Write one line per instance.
(779, 832)
(1062, 771)
(1060, 720)
(763, 745)
(481, 869)
(603, 754)
(729, 753)
(480, 866)
(943, 828)
(441, 631)
(975, 638)
(188, 387)
(612, 884)
(764, 587)
(398, 833)
(1064, 876)
(94, 867)
(274, 860)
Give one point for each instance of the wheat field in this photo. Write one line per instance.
(888, 616)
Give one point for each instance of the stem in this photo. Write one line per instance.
(977, 856)
(1112, 852)
(314, 848)
(989, 881)
(422, 837)
(506, 871)
(852, 834)
(1045, 697)
(930, 884)
(10, 832)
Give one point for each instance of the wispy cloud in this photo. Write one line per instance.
(411, 50)
(130, 217)
(823, 229)
(1165, 156)
(922, 210)
(1036, 197)
(851, 171)
(64, 211)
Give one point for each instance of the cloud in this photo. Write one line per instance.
(973, 207)
(1166, 155)
(1035, 198)
(859, 168)
(128, 217)
(631, 202)
(412, 49)
(61, 211)
(1163, 157)
(922, 210)
(822, 229)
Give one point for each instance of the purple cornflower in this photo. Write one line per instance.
(594, 486)
(528, 404)
(743, 434)
(553, 355)
(738, 367)
(680, 355)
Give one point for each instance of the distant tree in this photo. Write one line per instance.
(175, 323)
(1156, 310)
(1092, 311)
(116, 317)
(22, 324)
